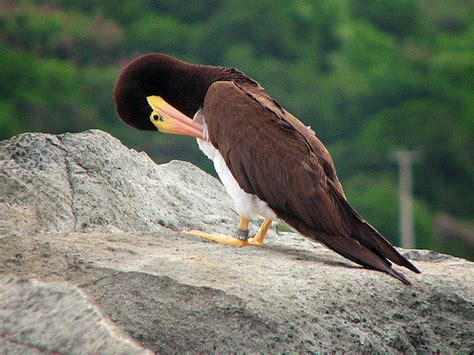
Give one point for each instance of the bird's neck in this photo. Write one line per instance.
(186, 87)
(188, 92)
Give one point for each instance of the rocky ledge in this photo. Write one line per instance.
(92, 260)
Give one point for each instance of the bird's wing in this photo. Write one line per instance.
(257, 93)
(272, 159)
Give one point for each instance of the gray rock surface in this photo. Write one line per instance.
(90, 182)
(85, 210)
(33, 317)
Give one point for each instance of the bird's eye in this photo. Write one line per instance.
(157, 117)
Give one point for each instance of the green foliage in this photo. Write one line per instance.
(401, 18)
(52, 95)
(51, 32)
(368, 76)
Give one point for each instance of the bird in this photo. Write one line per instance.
(270, 163)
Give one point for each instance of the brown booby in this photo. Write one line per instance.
(270, 163)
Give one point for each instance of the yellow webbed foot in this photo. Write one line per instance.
(224, 239)
(240, 240)
(255, 241)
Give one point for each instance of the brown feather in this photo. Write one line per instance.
(274, 156)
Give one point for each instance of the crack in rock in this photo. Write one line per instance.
(67, 165)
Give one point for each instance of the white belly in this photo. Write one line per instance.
(246, 204)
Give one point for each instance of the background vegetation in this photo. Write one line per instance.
(368, 76)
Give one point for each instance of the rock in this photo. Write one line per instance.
(90, 182)
(84, 209)
(36, 317)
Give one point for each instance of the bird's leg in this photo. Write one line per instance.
(262, 232)
(241, 232)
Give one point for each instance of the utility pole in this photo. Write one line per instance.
(405, 160)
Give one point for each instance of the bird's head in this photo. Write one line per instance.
(157, 91)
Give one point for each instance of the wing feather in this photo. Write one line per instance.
(274, 156)
(271, 159)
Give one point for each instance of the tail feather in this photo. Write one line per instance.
(372, 239)
(364, 246)
(368, 236)
(359, 253)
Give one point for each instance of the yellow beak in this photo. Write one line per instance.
(169, 120)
